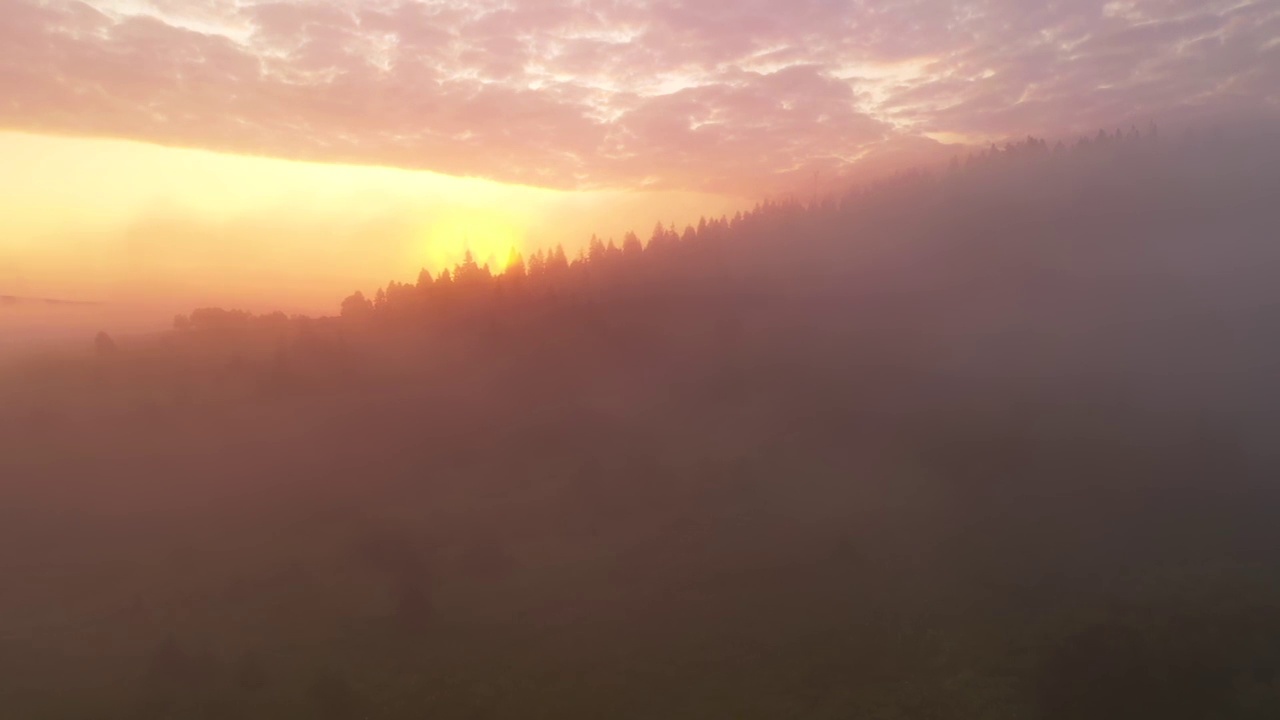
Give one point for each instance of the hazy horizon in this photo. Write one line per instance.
(279, 156)
(639, 359)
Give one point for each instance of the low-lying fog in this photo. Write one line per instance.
(30, 325)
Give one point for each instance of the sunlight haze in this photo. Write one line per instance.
(175, 228)
(279, 155)
(639, 359)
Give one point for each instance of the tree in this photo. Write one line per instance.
(398, 294)
(657, 237)
(468, 271)
(356, 306)
(595, 250)
(631, 246)
(515, 264)
(557, 261)
(219, 320)
(103, 344)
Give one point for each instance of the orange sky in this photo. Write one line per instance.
(282, 154)
(127, 222)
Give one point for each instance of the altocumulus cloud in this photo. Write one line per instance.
(688, 94)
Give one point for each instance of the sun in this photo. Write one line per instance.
(489, 236)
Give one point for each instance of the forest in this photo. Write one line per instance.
(990, 441)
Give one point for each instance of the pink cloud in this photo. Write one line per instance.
(670, 93)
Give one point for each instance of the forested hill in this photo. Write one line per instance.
(1115, 245)
(994, 442)
(1023, 198)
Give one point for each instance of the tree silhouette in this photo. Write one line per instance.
(515, 265)
(557, 262)
(356, 306)
(595, 250)
(103, 344)
(469, 273)
(537, 263)
(631, 245)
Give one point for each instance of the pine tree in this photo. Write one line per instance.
(515, 265)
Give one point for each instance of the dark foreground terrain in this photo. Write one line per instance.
(995, 444)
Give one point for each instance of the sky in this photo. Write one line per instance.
(282, 154)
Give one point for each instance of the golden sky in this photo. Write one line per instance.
(129, 222)
(282, 154)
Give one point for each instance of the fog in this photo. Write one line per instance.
(990, 441)
(33, 325)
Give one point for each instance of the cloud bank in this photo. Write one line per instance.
(684, 94)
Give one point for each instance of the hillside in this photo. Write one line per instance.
(988, 443)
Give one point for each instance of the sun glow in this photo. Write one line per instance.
(488, 235)
(171, 229)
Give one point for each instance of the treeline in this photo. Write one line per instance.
(705, 252)
(1111, 177)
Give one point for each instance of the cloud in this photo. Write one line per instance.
(706, 94)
